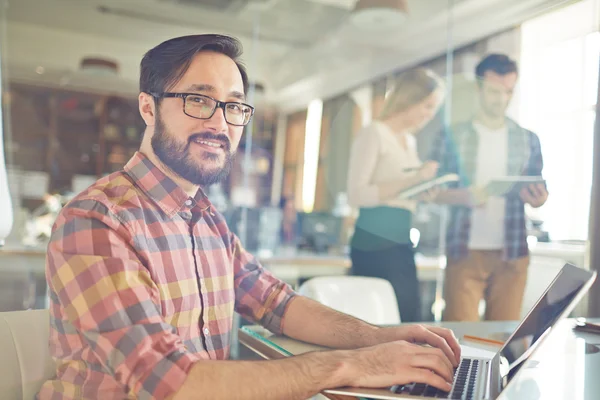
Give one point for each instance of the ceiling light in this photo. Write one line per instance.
(343, 4)
(99, 66)
(379, 15)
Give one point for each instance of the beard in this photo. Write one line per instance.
(493, 108)
(176, 156)
(495, 111)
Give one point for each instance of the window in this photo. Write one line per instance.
(559, 81)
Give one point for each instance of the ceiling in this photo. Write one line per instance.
(297, 49)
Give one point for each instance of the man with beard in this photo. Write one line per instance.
(487, 248)
(144, 275)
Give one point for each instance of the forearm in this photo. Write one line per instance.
(389, 190)
(454, 197)
(292, 378)
(371, 195)
(312, 322)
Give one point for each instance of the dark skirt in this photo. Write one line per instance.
(381, 248)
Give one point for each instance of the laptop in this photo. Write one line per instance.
(483, 379)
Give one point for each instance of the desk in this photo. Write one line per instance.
(560, 368)
(16, 258)
(295, 267)
(21, 266)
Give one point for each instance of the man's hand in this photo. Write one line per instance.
(478, 196)
(405, 354)
(399, 363)
(440, 338)
(368, 356)
(534, 195)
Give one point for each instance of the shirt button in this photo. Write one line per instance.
(188, 202)
(186, 215)
(206, 331)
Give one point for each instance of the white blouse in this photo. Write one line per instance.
(378, 157)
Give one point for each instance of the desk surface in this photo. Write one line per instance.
(19, 250)
(326, 260)
(566, 365)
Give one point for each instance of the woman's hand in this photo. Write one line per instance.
(428, 170)
(429, 195)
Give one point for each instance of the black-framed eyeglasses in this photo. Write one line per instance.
(203, 107)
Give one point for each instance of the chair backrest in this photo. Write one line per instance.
(26, 363)
(370, 299)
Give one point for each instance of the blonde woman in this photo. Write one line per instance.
(383, 162)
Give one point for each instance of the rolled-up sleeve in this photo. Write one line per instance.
(110, 299)
(536, 161)
(443, 151)
(259, 296)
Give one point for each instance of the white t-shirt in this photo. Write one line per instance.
(378, 157)
(487, 222)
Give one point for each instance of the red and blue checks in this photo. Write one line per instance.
(143, 282)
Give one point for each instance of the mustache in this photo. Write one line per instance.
(215, 137)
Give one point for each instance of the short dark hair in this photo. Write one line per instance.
(164, 65)
(498, 63)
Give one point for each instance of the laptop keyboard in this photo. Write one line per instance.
(463, 388)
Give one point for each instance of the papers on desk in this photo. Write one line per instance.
(476, 352)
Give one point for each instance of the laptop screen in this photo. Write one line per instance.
(556, 301)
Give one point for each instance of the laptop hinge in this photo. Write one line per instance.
(494, 379)
(487, 382)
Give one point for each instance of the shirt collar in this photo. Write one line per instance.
(167, 195)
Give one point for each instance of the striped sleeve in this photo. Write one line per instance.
(259, 296)
(443, 152)
(109, 297)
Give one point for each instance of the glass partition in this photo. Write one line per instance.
(351, 99)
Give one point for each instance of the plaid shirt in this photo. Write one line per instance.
(456, 151)
(143, 282)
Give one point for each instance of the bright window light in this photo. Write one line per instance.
(311, 154)
(558, 89)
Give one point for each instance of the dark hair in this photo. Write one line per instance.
(498, 63)
(163, 66)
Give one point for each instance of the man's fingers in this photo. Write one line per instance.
(541, 190)
(526, 195)
(450, 338)
(434, 360)
(424, 335)
(424, 375)
(534, 190)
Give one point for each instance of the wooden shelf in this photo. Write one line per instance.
(65, 133)
(62, 132)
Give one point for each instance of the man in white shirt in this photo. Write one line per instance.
(487, 248)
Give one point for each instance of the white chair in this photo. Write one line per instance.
(26, 362)
(371, 299)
